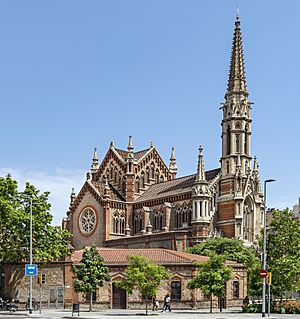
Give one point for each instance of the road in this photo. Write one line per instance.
(134, 314)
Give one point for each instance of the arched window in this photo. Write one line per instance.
(137, 185)
(152, 171)
(156, 221)
(178, 217)
(142, 180)
(246, 140)
(147, 180)
(116, 223)
(122, 224)
(235, 290)
(228, 140)
(161, 179)
(227, 167)
(157, 176)
(161, 221)
(185, 215)
(237, 143)
(136, 224)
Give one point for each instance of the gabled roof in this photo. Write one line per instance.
(174, 186)
(113, 256)
(114, 194)
(137, 155)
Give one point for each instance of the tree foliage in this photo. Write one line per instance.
(144, 276)
(235, 250)
(283, 253)
(49, 242)
(91, 273)
(211, 277)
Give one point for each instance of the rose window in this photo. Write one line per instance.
(87, 221)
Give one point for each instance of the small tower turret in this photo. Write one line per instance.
(173, 166)
(201, 202)
(95, 162)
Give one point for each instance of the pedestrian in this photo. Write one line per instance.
(168, 303)
(155, 304)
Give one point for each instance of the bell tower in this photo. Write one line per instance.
(236, 134)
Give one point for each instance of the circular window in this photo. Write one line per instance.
(87, 221)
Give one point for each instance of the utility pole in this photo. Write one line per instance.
(30, 259)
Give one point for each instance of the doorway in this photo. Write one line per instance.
(119, 297)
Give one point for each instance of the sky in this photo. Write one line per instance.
(75, 75)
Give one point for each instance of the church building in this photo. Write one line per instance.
(133, 199)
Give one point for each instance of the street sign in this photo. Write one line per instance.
(31, 270)
(263, 273)
(269, 278)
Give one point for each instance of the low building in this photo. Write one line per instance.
(58, 279)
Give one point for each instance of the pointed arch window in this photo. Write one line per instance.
(227, 167)
(237, 143)
(246, 140)
(137, 185)
(178, 217)
(116, 223)
(142, 180)
(185, 215)
(228, 140)
(122, 224)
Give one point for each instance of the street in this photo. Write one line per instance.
(130, 314)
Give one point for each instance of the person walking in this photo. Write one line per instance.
(168, 302)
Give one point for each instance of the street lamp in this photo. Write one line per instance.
(30, 258)
(264, 266)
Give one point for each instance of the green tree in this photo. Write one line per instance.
(49, 242)
(91, 273)
(211, 278)
(144, 276)
(235, 250)
(283, 253)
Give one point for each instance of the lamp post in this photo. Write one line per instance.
(264, 266)
(30, 258)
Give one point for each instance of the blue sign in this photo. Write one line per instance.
(31, 270)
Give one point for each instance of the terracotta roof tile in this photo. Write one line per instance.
(174, 187)
(113, 256)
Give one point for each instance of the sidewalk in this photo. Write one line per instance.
(130, 314)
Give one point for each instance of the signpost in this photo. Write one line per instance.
(263, 273)
(31, 270)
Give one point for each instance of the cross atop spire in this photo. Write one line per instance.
(237, 80)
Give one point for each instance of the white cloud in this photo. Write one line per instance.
(58, 182)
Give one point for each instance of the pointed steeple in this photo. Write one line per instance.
(95, 162)
(72, 197)
(201, 166)
(130, 147)
(237, 80)
(255, 165)
(173, 166)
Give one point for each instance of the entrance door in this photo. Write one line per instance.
(119, 297)
(56, 297)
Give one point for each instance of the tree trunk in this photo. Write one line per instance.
(91, 300)
(221, 303)
(146, 305)
(210, 304)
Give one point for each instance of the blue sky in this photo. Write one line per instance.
(79, 74)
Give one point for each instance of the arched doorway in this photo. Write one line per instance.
(118, 297)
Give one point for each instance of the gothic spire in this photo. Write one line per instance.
(173, 166)
(130, 147)
(201, 167)
(95, 162)
(237, 80)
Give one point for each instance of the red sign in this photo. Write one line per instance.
(263, 273)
